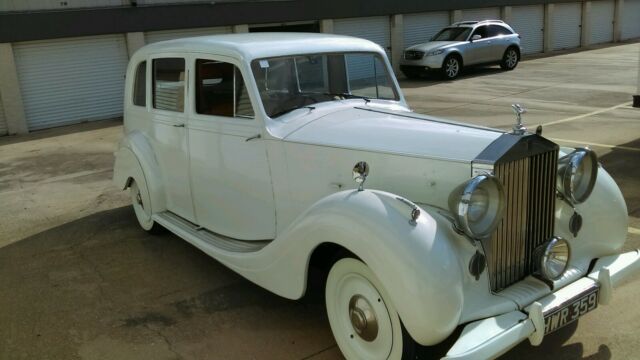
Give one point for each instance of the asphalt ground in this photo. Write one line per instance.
(80, 280)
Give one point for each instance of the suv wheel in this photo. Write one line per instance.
(510, 59)
(451, 67)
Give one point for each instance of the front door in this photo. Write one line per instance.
(169, 133)
(232, 189)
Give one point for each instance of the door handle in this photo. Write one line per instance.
(178, 125)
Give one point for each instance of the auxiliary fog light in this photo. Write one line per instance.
(552, 258)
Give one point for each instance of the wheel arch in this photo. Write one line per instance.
(456, 53)
(516, 48)
(134, 161)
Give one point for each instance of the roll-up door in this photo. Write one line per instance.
(631, 19)
(565, 28)
(155, 36)
(376, 29)
(419, 28)
(601, 18)
(72, 80)
(528, 21)
(490, 13)
(3, 120)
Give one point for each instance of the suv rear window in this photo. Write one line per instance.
(497, 30)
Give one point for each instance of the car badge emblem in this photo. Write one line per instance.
(519, 128)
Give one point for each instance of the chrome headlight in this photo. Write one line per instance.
(435, 52)
(553, 258)
(477, 206)
(577, 174)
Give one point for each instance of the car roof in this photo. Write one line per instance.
(475, 23)
(251, 46)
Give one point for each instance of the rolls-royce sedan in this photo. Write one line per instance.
(278, 153)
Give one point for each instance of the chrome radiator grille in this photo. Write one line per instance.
(528, 221)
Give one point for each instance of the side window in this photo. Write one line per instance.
(482, 31)
(168, 84)
(497, 30)
(220, 90)
(140, 85)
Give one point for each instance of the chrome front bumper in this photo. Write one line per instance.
(492, 337)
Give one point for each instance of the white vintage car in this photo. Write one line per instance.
(273, 153)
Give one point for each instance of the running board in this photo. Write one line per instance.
(185, 228)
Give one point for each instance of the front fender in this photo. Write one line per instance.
(416, 262)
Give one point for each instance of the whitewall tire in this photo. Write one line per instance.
(364, 322)
(141, 206)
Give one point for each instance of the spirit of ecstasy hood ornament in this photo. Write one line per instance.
(519, 128)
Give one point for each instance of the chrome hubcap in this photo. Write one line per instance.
(363, 318)
(452, 67)
(139, 199)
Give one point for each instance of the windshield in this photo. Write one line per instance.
(292, 82)
(453, 34)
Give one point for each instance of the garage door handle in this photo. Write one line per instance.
(178, 125)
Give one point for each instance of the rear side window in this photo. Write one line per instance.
(482, 31)
(168, 84)
(140, 85)
(497, 30)
(220, 90)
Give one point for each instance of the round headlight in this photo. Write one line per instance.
(577, 174)
(477, 205)
(553, 258)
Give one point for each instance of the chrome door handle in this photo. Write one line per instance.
(178, 125)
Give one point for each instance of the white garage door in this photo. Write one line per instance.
(528, 21)
(565, 25)
(419, 28)
(71, 80)
(376, 29)
(155, 36)
(631, 19)
(601, 18)
(3, 121)
(490, 13)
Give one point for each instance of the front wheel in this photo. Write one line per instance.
(364, 322)
(510, 59)
(451, 67)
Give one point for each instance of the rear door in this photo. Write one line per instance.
(170, 142)
(500, 39)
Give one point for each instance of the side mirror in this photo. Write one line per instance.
(476, 37)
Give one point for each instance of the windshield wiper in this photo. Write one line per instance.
(290, 110)
(349, 96)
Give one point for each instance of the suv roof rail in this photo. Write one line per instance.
(473, 22)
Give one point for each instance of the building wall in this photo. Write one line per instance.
(394, 25)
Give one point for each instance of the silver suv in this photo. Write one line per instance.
(463, 44)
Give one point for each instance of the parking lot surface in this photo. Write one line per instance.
(81, 280)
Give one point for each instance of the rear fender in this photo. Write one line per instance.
(135, 160)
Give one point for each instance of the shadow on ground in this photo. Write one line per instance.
(434, 78)
(101, 276)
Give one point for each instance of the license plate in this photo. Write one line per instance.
(571, 310)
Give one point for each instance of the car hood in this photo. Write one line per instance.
(392, 131)
(433, 45)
